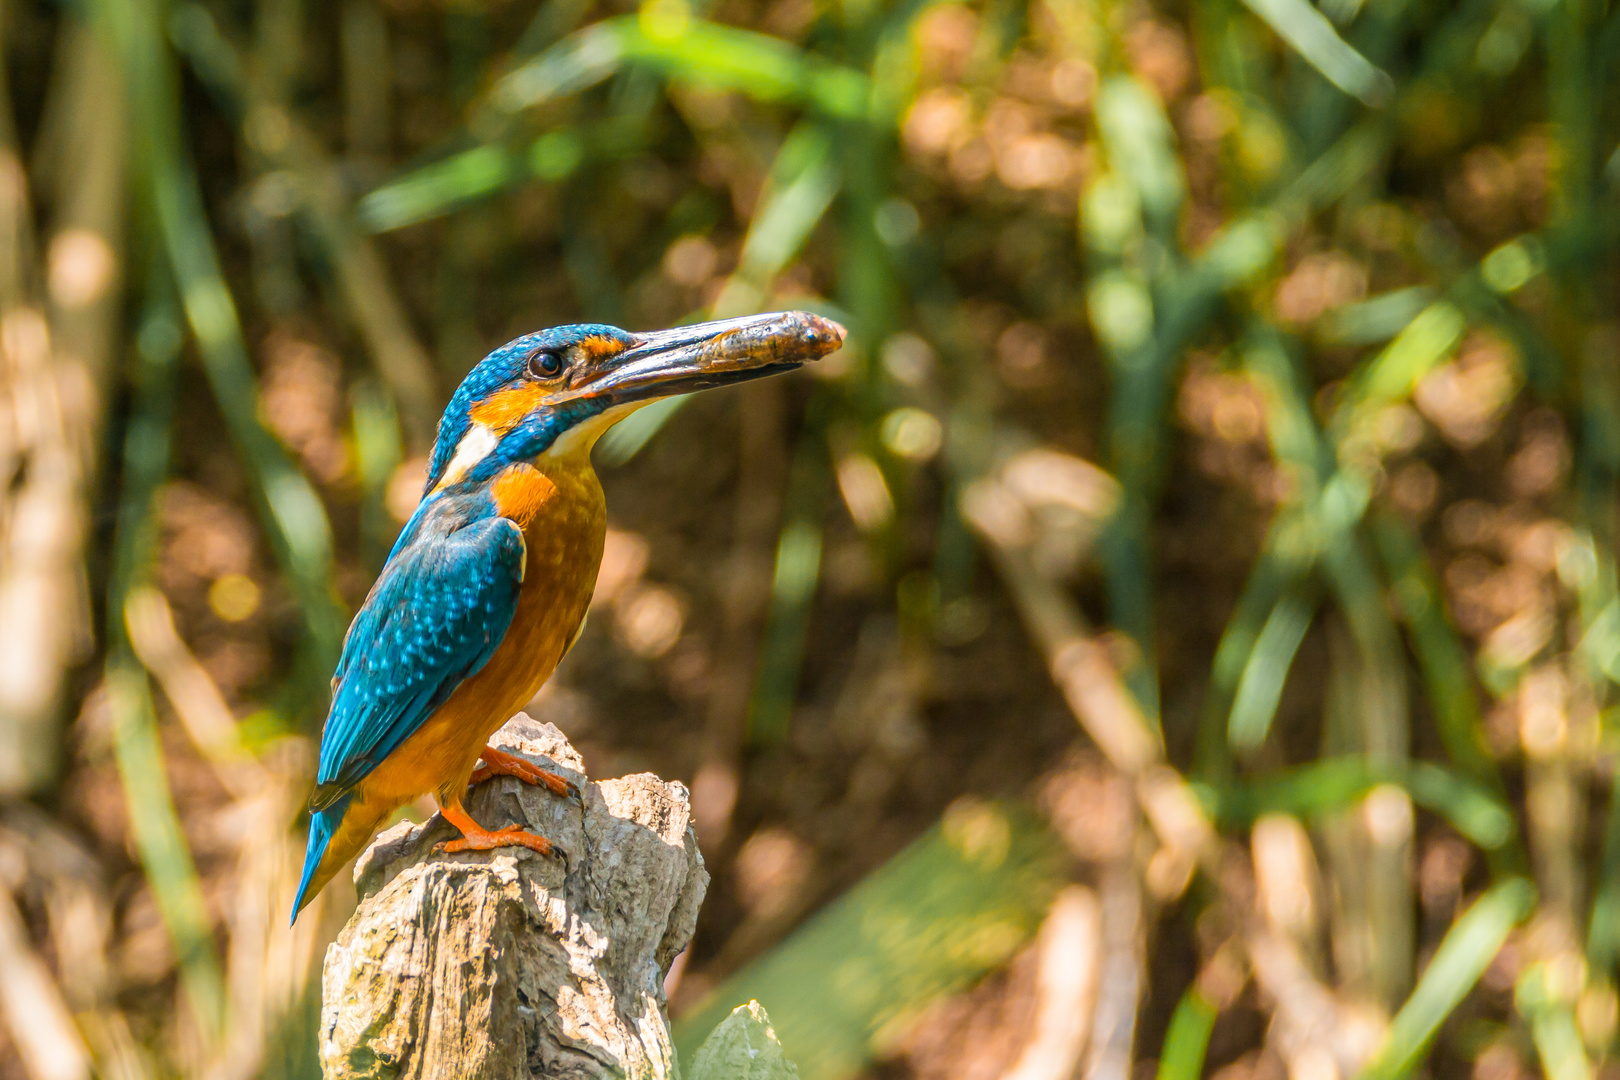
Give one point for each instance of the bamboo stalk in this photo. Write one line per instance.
(165, 855)
(154, 824)
(292, 512)
(49, 414)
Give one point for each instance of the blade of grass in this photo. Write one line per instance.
(154, 824)
(1141, 148)
(164, 854)
(362, 278)
(1336, 783)
(1258, 692)
(849, 983)
(1447, 673)
(793, 587)
(1277, 569)
(1187, 1040)
(800, 188)
(1391, 375)
(1559, 1046)
(691, 50)
(376, 450)
(1122, 299)
(1289, 551)
(1310, 34)
(439, 188)
(1464, 953)
(1542, 997)
(1603, 927)
(1372, 321)
(292, 512)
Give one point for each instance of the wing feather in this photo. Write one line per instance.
(437, 614)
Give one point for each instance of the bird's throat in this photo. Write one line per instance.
(578, 440)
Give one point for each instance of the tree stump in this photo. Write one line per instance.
(506, 965)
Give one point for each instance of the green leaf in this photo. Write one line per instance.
(1416, 350)
(1187, 1041)
(955, 904)
(434, 189)
(159, 840)
(793, 586)
(1464, 953)
(1336, 783)
(694, 51)
(1141, 145)
(1447, 674)
(574, 64)
(1310, 34)
(801, 187)
(1258, 692)
(1375, 320)
(1540, 998)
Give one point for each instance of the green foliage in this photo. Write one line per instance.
(1187, 1040)
(955, 904)
(1327, 288)
(1464, 953)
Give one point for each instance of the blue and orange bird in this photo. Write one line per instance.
(486, 587)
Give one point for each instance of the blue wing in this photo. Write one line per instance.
(434, 618)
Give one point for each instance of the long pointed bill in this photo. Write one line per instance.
(706, 355)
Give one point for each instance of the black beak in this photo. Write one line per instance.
(699, 357)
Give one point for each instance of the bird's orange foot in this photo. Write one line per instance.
(511, 836)
(474, 837)
(499, 763)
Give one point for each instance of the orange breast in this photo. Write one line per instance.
(564, 522)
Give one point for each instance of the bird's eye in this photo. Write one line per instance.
(545, 365)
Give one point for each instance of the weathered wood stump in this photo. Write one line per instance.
(507, 965)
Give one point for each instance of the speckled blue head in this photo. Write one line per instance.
(521, 400)
(504, 371)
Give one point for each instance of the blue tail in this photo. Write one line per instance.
(322, 824)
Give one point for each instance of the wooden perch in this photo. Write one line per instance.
(508, 964)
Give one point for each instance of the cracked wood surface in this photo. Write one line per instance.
(508, 964)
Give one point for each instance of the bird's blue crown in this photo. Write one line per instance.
(508, 368)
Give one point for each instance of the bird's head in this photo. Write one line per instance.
(556, 391)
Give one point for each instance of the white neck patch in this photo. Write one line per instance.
(481, 440)
(474, 447)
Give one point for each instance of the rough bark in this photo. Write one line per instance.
(508, 964)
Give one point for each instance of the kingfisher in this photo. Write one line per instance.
(487, 586)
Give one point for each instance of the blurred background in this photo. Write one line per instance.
(1175, 637)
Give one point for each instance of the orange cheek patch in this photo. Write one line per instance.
(520, 491)
(505, 408)
(600, 347)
